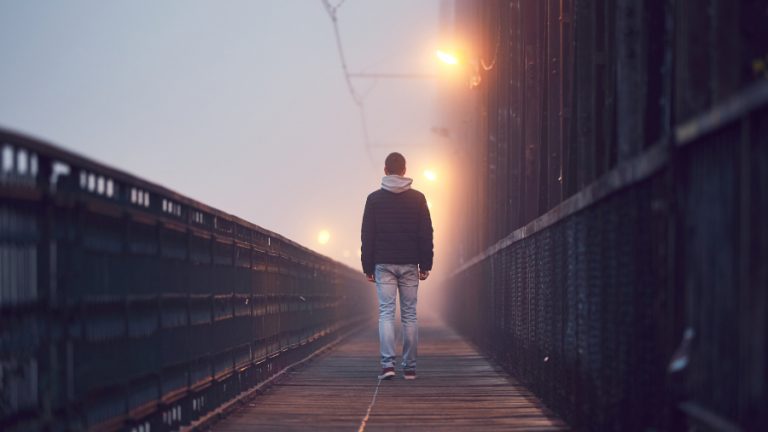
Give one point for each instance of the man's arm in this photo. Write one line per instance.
(367, 236)
(426, 246)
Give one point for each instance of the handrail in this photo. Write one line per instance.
(156, 307)
(747, 100)
(637, 169)
(50, 151)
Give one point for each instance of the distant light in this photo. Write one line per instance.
(323, 237)
(447, 58)
(430, 175)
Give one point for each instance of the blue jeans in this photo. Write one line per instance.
(391, 278)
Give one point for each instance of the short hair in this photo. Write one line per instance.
(395, 163)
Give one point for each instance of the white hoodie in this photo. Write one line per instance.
(396, 183)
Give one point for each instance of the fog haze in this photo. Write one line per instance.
(239, 104)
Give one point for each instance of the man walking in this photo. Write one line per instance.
(396, 254)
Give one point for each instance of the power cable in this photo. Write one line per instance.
(358, 99)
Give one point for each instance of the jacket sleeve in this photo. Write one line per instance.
(426, 247)
(367, 236)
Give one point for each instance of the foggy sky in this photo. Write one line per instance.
(239, 104)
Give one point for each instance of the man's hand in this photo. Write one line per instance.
(371, 278)
(423, 275)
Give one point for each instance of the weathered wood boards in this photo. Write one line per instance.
(457, 389)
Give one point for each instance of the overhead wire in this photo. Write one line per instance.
(357, 98)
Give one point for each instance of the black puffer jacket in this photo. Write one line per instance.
(397, 229)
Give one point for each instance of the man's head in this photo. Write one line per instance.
(394, 164)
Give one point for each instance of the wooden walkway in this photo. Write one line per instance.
(457, 390)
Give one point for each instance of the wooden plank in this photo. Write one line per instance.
(567, 54)
(502, 123)
(584, 93)
(457, 389)
(533, 13)
(631, 88)
(554, 117)
(513, 50)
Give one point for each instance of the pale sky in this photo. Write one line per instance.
(239, 104)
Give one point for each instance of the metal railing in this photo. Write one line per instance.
(124, 305)
(639, 303)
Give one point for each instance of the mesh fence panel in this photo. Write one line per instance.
(130, 306)
(573, 310)
(591, 311)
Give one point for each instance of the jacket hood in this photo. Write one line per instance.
(396, 183)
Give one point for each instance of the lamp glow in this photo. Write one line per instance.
(323, 237)
(447, 57)
(430, 175)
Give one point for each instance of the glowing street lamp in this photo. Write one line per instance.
(459, 61)
(446, 57)
(323, 237)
